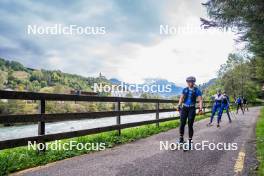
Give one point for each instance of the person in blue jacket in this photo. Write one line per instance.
(187, 104)
(225, 106)
(216, 107)
(239, 104)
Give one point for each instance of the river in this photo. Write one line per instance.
(19, 131)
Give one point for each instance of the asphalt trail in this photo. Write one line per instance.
(144, 157)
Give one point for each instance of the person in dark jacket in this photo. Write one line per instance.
(245, 104)
(187, 104)
(239, 104)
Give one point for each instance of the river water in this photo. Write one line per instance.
(19, 131)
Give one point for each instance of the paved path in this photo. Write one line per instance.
(144, 156)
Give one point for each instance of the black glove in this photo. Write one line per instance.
(179, 107)
(200, 112)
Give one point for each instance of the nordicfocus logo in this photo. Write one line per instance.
(123, 87)
(58, 145)
(188, 29)
(204, 145)
(59, 29)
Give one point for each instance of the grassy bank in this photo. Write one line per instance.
(19, 158)
(260, 142)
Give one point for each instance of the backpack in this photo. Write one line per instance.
(193, 96)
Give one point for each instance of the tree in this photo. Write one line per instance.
(243, 16)
(16, 66)
(10, 76)
(2, 64)
(2, 107)
(129, 105)
(36, 75)
(259, 68)
(147, 106)
(92, 107)
(15, 106)
(59, 89)
(35, 86)
(3, 79)
(235, 79)
(55, 77)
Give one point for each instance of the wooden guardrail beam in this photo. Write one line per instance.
(42, 117)
(68, 97)
(71, 116)
(51, 137)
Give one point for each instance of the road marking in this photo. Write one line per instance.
(240, 162)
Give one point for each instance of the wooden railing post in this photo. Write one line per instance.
(157, 113)
(118, 118)
(41, 124)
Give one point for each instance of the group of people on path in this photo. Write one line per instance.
(187, 107)
(221, 103)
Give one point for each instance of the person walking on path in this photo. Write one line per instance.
(245, 104)
(216, 108)
(239, 104)
(225, 106)
(187, 104)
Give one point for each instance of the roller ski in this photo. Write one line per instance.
(185, 146)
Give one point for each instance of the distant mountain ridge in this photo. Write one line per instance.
(208, 84)
(175, 90)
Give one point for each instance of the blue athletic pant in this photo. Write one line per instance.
(224, 107)
(216, 107)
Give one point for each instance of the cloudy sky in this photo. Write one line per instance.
(132, 48)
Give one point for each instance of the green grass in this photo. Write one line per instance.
(19, 158)
(260, 142)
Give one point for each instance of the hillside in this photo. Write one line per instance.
(15, 76)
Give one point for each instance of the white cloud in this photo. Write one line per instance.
(178, 56)
(131, 50)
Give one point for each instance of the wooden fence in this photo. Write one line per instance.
(41, 118)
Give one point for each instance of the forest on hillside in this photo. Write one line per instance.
(243, 73)
(15, 76)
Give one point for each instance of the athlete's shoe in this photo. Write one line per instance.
(181, 140)
(209, 124)
(180, 143)
(218, 126)
(190, 143)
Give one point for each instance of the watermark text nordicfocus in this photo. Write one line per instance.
(59, 29)
(124, 87)
(71, 145)
(204, 145)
